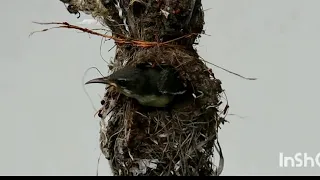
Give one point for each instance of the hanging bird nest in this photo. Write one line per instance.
(164, 141)
(176, 140)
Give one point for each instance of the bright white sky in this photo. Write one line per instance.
(47, 124)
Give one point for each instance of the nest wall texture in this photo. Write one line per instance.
(138, 140)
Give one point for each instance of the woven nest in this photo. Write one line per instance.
(177, 140)
(155, 141)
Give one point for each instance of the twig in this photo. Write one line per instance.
(193, 2)
(97, 172)
(101, 51)
(138, 43)
(228, 70)
(84, 89)
(241, 117)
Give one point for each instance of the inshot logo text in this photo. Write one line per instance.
(299, 160)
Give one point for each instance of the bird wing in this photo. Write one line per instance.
(169, 83)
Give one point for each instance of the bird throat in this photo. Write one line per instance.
(113, 84)
(149, 99)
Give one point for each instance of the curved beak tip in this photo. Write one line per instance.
(97, 80)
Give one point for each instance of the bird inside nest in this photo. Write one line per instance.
(150, 86)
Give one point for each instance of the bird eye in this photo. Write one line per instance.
(121, 82)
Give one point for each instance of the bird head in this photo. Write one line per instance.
(127, 80)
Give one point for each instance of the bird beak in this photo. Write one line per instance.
(102, 80)
(98, 80)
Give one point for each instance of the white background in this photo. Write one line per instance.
(46, 120)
